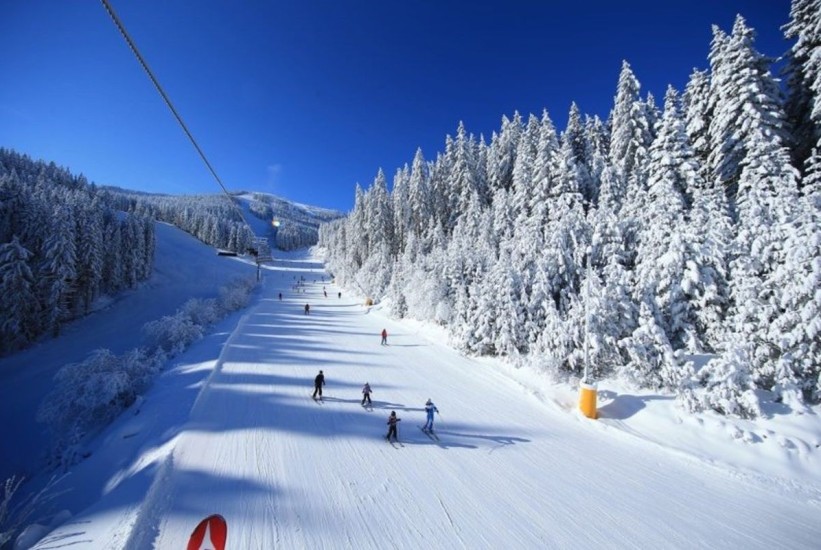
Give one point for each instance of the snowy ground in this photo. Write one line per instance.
(230, 428)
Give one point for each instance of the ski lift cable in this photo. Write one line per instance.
(167, 100)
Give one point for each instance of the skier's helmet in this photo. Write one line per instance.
(393, 413)
(429, 402)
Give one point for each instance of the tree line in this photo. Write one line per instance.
(210, 218)
(663, 232)
(62, 246)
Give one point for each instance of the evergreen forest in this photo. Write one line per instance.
(673, 229)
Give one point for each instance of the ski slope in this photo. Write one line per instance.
(238, 434)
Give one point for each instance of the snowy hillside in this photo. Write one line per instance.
(288, 225)
(184, 268)
(230, 428)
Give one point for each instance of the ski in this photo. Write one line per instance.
(318, 401)
(212, 532)
(429, 433)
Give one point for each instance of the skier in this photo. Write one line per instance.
(384, 337)
(366, 394)
(280, 296)
(307, 309)
(392, 420)
(339, 294)
(319, 381)
(430, 408)
(325, 293)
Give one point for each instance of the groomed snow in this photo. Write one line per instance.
(230, 428)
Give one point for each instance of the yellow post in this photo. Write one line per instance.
(587, 400)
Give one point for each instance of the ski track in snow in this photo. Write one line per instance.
(509, 471)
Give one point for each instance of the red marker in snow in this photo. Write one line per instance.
(210, 534)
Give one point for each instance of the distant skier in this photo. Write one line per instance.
(325, 293)
(280, 296)
(430, 408)
(384, 337)
(392, 420)
(319, 381)
(307, 309)
(366, 394)
(339, 294)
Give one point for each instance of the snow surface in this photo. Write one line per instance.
(230, 428)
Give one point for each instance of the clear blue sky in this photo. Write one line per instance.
(304, 99)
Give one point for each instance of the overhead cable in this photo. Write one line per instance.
(167, 100)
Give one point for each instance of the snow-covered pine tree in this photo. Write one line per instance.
(419, 195)
(501, 154)
(724, 385)
(697, 115)
(664, 265)
(58, 272)
(468, 258)
(567, 234)
(575, 138)
(803, 71)
(504, 287)
(17, 296)
(631, 128)
(613, 315)
(744, 99)
(396, 290)
(796, 329)
(97, 267)
(502, 217)
(523, 168)
(356, 239)
(709, 233)
(463, 178)
(631, 136)
(653, 363)
(766, 205)
(400, 206)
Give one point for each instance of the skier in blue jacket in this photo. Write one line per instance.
(430, 408)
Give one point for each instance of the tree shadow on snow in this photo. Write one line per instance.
(396, 406)
(624, 406)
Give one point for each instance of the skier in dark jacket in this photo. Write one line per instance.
(307, 309)
(319, 381)
(392, 421)
(384, 337)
